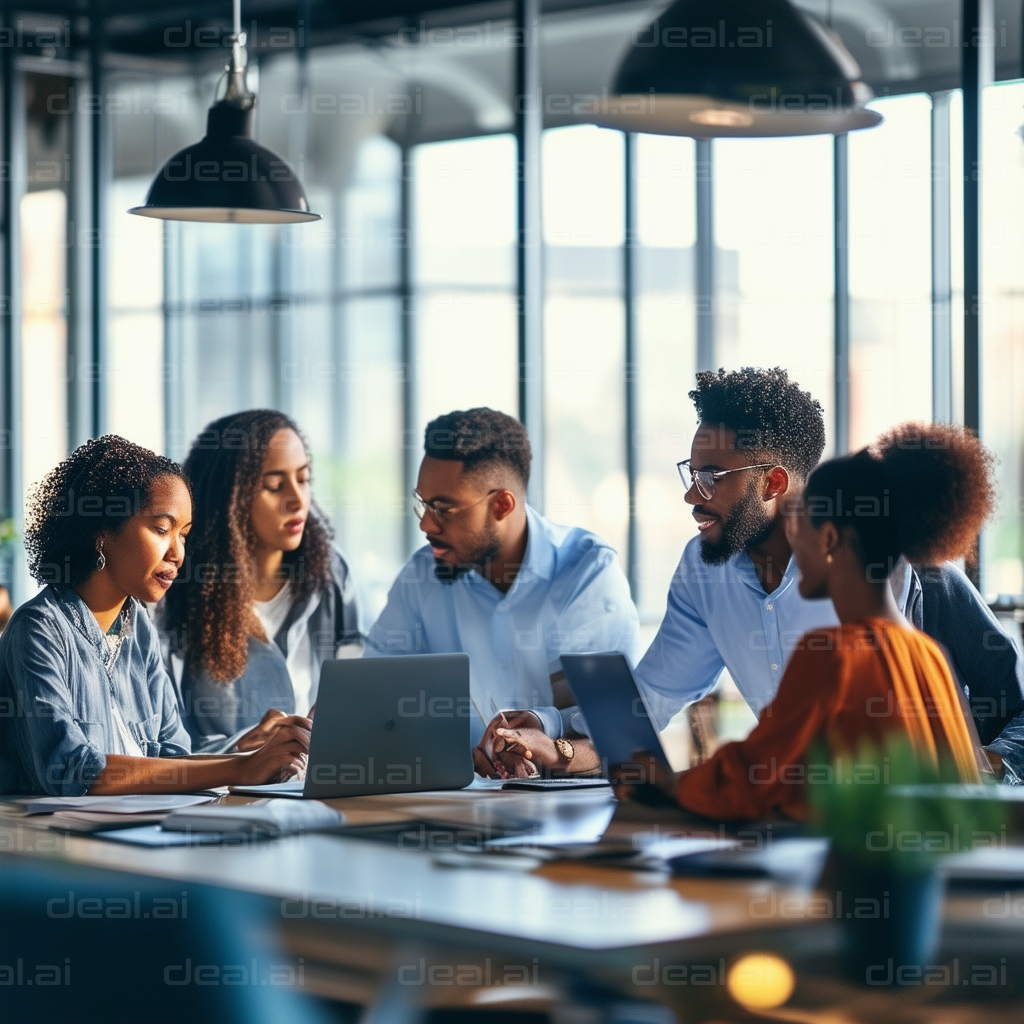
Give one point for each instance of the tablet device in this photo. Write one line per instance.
(611, 702)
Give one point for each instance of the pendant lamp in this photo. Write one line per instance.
(736, 68)
(228, 177)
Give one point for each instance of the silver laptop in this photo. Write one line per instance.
(387, 725)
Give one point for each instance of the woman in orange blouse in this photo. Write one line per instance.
(922, 492)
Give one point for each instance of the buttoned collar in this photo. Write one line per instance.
(538, 560)
(745, 569)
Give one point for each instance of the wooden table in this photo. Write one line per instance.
(362, 914)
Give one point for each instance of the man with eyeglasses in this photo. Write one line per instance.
(508, 587)
(734, 602)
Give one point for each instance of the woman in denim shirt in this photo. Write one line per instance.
(263, 599)
(85, 703)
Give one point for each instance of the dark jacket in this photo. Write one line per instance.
(217, 714)
(984, 659)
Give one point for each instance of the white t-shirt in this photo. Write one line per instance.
(272, 614)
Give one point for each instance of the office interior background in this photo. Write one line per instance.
(840, 259)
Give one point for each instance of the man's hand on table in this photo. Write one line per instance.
(515, 746)
(495, 758)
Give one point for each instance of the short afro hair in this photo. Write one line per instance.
(480, 438)
(96, 489)
(767, 411)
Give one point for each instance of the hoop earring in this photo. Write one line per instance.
(101, 559)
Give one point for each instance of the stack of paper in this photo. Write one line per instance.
(104, 813)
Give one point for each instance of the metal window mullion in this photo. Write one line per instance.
(942, 273)
(529, 237)
(174, 314)
(12, 188)
(976, 65)
(629, 278)
(704, 264)
(100, 174)
(841, 291)
(407, 341)
(79, 273)
(977, 14)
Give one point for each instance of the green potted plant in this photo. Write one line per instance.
(887, 843)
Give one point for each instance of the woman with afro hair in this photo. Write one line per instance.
(264, 598)
(921, 492)
(89, 705)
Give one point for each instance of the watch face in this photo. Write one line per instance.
(565, 748)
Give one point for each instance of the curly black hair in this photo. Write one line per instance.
(96, 489)
(478, 438)
(767, 411)
(921, 490)
(210, 615)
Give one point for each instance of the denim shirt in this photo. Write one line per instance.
(56, 689)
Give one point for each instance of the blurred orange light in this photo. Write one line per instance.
(760, 981)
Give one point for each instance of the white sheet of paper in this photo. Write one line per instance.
(133, 804)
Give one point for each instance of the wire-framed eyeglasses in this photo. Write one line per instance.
(707, 479)
(441, 513)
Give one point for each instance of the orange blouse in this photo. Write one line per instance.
(843, 686)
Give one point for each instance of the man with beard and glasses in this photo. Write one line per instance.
(506, 586)
(734, 602)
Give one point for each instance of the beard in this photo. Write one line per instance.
(747, 525)
(486, 549)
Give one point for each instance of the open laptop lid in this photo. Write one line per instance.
(616, 714)
(396, 724)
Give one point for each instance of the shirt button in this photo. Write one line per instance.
(769, 607)
(775, 668)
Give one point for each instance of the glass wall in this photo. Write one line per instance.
(584, 324)
(1002, 399)
(890, 269)
(135, 321)
(774, 260)
(666, 359)
(464, 232)
(203, 320)
(46, 251)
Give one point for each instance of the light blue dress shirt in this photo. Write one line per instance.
(719, 616)
(570, 596)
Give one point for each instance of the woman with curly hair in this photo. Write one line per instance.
(264, 598)
(90, 706)
(922, 492)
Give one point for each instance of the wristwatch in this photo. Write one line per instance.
(565, 749)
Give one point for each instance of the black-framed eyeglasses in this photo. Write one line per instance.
(707, 479)
(421, 506)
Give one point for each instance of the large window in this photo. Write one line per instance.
(666, 360)
(1002, 398)
(584, 322)
(135, 325)
(464, 312)
(774, 259)
(401, 304)
(890, 270)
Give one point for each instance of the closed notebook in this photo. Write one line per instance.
(262, 817)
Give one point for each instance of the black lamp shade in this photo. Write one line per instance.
(227, 177)
(736, 68)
